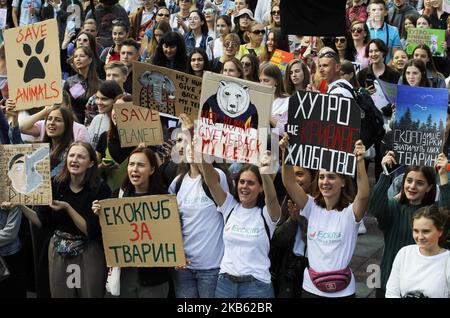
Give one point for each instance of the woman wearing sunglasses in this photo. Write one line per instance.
(254, 42)
(231, 44)
(275, 17)
(360, 36)
(343, 45)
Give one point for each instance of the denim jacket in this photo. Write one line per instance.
(9, 231)
(189, 38)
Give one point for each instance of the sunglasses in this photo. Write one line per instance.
(246, 64)
(357, 30)
(208, 11)
(275, 12)
(339, 40)
(185, 1)
(329, 54)
(163, 15)
(259, 32)
(230, 44)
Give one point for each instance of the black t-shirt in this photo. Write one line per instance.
(389, 75)
(80, 202)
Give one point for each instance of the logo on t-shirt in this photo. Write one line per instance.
(244, 231)
(323, 236)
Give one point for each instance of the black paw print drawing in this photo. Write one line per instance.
(34, 68)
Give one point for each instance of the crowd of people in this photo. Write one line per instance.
(247, 231)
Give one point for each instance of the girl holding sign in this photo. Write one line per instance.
(143, 178)
(202, 224)
(334, 216)
(75, 245)
(250, 216)
(394, 214)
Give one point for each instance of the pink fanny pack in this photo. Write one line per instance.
(331, 282)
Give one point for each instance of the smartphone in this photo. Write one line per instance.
(71, 26)
(369, 82)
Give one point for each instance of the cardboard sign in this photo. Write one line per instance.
(322, 131)
(142, 231)
(234, 118)
(33, 64)
(431, 37)
(165, 90)
(281, 59)
(138, 125)
(25, 174)
(419, 127)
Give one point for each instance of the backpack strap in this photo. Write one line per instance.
(266, 226)
(226, 220)
(345, 86)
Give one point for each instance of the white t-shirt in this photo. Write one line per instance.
(280, 107)
(202, 223)
(335, 89)
(246, 242)
(216, 50)
(99, 124)
(414, 273)
(332, 239)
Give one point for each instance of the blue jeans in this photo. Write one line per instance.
(227, 287)
(190, 283)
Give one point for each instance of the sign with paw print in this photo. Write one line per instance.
(33, 64)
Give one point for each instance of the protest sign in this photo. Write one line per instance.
(281, 59)
(33, 64)
(357, 67)
(142, 231)
(389, 90)
(322, 131)
(25, 172)
(233, 119)
(431, 37)
(419, 127)
(138, 125)
(165, 90)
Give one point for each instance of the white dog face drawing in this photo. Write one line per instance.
(233, 99)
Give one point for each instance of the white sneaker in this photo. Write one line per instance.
(362, 228)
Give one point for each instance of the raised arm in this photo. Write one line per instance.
(362, 196)
(27, 126)
(212, 180)
(444, 195)
(294, 190)
(273, 207)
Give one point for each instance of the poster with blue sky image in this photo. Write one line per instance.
(419, 126)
